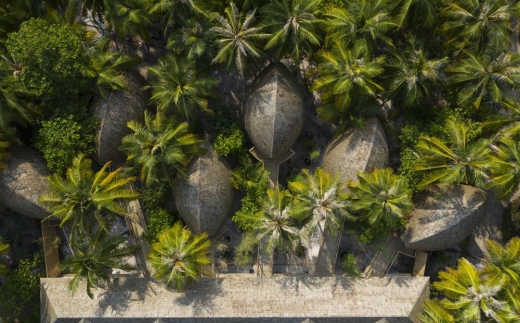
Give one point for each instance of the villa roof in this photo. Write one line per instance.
(114, 111)
(205, 197)
(274, 111)
(240, 298)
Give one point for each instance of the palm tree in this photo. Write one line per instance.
(362, 23)
(128, 18)
(175, 11)
(94, 257)
(381, 196)
(293, 26)
(248, 175)
(413, 76)
(414, 13)
(478, 24)
(237, 38)
(83, 194)
(279, 221)
(508, 124)
(504, 261)
(15, 98)
(179, 256)
(4, 248)
(347, 79)
(433, 312)
(194, 40)
(321, 198)
(105, 68)
(472, 296)
(485, 77)
(504, 164)
(176, 85)
(457, 160)
(161, 147)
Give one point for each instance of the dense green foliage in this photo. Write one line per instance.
(20, 292)
(84, 195)
(52, 59)
(61, 139)
(179, 256)
(349, 265)
(95, 255)
(160, 148)
(230, 137)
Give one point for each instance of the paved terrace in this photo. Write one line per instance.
(240, 298)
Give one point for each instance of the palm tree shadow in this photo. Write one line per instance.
(200, 296)
(116, 299)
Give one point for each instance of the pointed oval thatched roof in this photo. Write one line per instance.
(445, 217)
(205, 198)
(24, 181)
(274, 111)
(357, 150)
(114, 111)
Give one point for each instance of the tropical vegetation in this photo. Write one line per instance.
(442, 77)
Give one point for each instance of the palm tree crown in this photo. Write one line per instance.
(347, 77)
(279, 221)
(478, 24)
(93, 258)
(293, 26)
(361, 23)
(414, 75)
(83, 193)
(160, 147)
(381, 196)
(456, 161)
(487, 77)
(236, 38)
(472, 296)
(177, 86)
(321, 199)
(179, 256)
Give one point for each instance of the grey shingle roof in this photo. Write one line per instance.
(357, 150)
(114, 111)
(274, 111)
(205, 198)
(24, 181)
(446, 216)
(241, 298)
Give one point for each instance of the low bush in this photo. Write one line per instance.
(62, 139)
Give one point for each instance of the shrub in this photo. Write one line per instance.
(53, 58)
(230, 137)
(158, 220)
(246, 250)
(20, 293)
(230, 141)
(349, 265)
(62, 139)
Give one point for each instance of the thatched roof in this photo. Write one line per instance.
(240, 299)
(274, 111)
(205, 198)
(114, 111)
(445, 217)
(357, 150)
(23, 182)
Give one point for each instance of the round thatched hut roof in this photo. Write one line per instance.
(445, 217)
(205, 198)
(24, 181)
(274, 111)
(114, 111)
(357, 150)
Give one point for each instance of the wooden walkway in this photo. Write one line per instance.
(50, 248)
